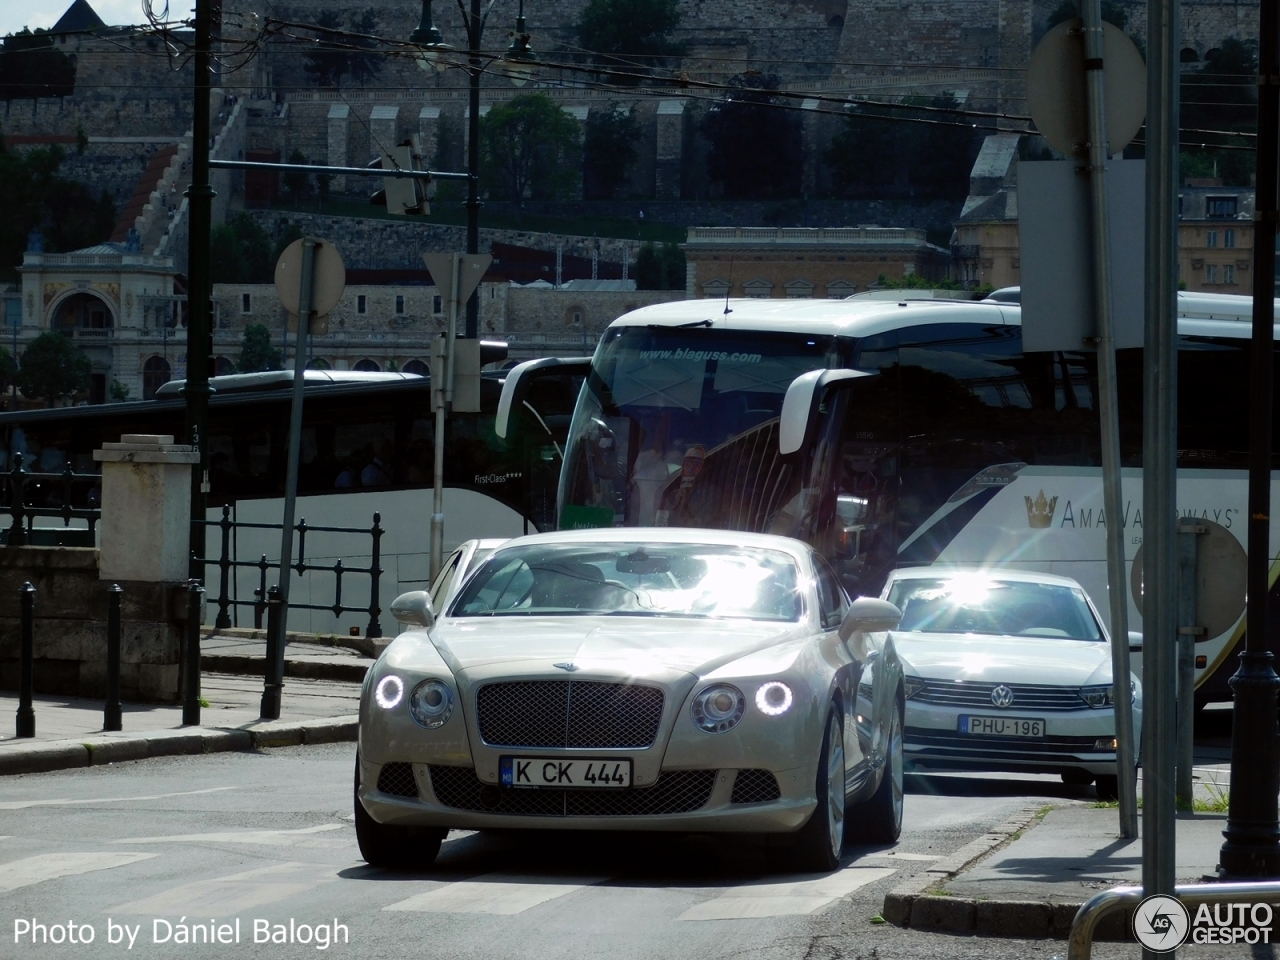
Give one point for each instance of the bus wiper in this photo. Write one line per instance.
(680, 326)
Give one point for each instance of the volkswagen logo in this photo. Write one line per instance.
(1002, 696)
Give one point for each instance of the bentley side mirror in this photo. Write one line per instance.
(414, 608)
(869, 615)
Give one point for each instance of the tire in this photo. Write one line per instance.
(1108, 788)
(820, 842)
(878, 821)
(1077, 778)
(394, 848)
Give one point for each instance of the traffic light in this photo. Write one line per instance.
(403, 195)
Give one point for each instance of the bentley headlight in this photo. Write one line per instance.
(774, 698)
(718, 708)
(389, 691)
(431, 703)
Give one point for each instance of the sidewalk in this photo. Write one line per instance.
(320, 702)
(1028, 878)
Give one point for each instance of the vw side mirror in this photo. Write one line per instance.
(869, 615)
(414, 608)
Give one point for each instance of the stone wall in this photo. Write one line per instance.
(70, 627)
(533, 310)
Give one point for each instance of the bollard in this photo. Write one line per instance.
(111, 719)
(26, 680)
(375, 573)
(273, 685)
(224, 572)
(191, 699)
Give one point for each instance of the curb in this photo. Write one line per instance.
(370, 647)
(911, 904)
(99, 749)
(308, 669)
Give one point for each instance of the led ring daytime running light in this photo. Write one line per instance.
(389, 692)
(774, 698)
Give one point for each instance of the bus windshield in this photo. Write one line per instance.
(665, 405)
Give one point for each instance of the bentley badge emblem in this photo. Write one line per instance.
(1001, 696)
(570, 667)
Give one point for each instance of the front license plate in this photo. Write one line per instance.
(1001, 727)
(549, 772)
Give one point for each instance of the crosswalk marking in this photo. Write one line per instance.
(50, 866)
(784, 899)
(496, 893)
(71, 801)
(236, 893)
(271, 838)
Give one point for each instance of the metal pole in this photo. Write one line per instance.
(26, 669)
(1188, 531)
(437, 459)
(276, 640)
(1112, 498)
(273, 682)
(1159, 451)
(1252, 847)
(111, 719)
(450, 344)
(200, 288)
(473, 163)
(191, 696)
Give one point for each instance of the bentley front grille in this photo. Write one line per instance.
(677, 791)
(569, 713)
(397, 780)
(755, 786)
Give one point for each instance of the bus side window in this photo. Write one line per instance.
(1213, 397)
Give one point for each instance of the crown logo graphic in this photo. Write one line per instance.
(1040, 511)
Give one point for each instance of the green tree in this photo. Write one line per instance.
(119, 392)
(256, 350)
(529, 147)
(240, 252)
(617, 32)
(53, 368)
(1222, 95)
(339, 51)
(914, 281)
(8, 370)
(660, 268)
(31, 66)
(755, 142)
(608, 150)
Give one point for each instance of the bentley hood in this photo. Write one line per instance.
(994, 659)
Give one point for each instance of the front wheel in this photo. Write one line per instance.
(879, 819)
(821, 841)
(1108, 788)
(396, 848)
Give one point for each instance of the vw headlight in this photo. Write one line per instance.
(431, 703)
(718, 708)
(911, 686)
(389, 691)
(1099, 695)
(774, 698)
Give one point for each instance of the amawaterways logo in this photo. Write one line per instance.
(1040, 511)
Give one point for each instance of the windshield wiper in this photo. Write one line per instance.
(680, 326)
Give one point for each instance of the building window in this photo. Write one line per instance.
(1211, 238)
(1220, 207)
(362, 303)
(1210, 273)
(1229, 273)
(246, 303)
(366, 366)
(399, 303)
(155, 374)
(418, 367)
(437, 305)
(1228, 238)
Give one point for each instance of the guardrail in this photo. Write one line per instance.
(1080, 940)
(19, 489)
(226, 564)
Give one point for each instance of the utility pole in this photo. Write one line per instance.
(199, 335)
(1252, 847)
(474, 26)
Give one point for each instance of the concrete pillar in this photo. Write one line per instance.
(146, 508)
(579, 112)
(383, 123)
(339, 115)
(429, 132)
(670, 146)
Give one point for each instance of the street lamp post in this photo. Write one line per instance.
(518, 66)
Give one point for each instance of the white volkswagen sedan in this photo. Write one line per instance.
(636, 679)
(1006, 670)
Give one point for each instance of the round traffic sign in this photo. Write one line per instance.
(329, 277)
(1056, 88)
(1221, 576)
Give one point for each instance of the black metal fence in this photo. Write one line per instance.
(227, 565)
(66, 494)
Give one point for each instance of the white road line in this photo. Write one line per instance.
(495, 893)
(784, 899)
(50, 866)
(236, 893)
(71, 801)
(270, 838)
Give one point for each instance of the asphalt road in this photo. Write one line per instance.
(268, 837)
